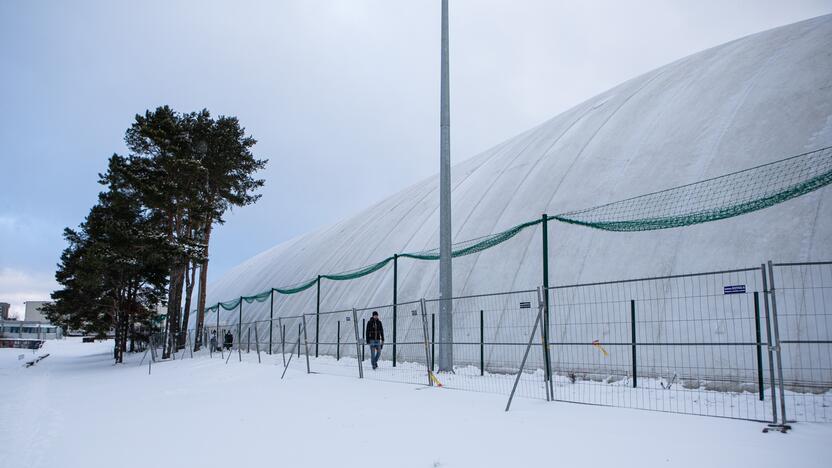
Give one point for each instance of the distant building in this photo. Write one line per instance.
(29, 330)
(34, 312)
(4, 310)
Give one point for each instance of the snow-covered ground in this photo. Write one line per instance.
(75, 408)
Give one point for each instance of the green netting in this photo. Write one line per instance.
(700, 202)
(712, 199)
(230, 305)
(468, 247)
(259, 297)
(297, 288)
(359, 272)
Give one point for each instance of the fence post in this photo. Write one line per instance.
(338, 343)
(546, 358)
(777, 344)
(257, 343)
(240, 332)
(772, 381)
(153, 340)
(758, 334)
(299, 332)
(428, 357)
(306, 345)
(286, 364)
(317, 317)
(357, 344)
(271, 320)
(541, 311)
(222, 345)
(230, 351)
(482, 345)
(363, 331)
(239, 344)
(525, 356)
(432, 342)
(282, 329)
(542, 305)
(633, 341)
(395, 300)
(248, 339)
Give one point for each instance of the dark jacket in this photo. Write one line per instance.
(375, 331)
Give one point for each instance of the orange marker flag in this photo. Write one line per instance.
(597, 345)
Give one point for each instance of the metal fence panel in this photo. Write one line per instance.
(410, 366)
(689, 344)
(336, 348)
(701, 344)
(491, 333)
(338, 353)
(804, 309)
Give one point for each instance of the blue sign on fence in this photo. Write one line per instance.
(734, 289)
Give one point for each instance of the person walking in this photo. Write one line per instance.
(375, 338)
(229, 340)
(213, 341)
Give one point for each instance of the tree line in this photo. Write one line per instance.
(142, 243)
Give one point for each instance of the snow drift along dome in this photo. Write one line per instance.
(745, 103)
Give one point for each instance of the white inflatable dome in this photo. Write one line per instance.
(745, 103)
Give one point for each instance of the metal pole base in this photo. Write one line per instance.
(777, 427)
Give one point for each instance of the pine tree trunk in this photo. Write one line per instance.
(203, 280)
(189, 289)
(171, 288)
(117, 329)
(174, 307)
(125, 328)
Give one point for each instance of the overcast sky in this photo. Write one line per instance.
(343, 96)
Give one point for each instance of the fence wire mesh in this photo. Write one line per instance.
(409, 344)
(704, 344)
(491, 334)
(689, 344)
(803, 294)
(294, 342)
(337, 345)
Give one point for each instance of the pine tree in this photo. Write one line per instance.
(167, 176)
(141, 244)
(230, 167)
(114, 270)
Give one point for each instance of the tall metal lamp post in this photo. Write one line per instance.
(446, 333)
